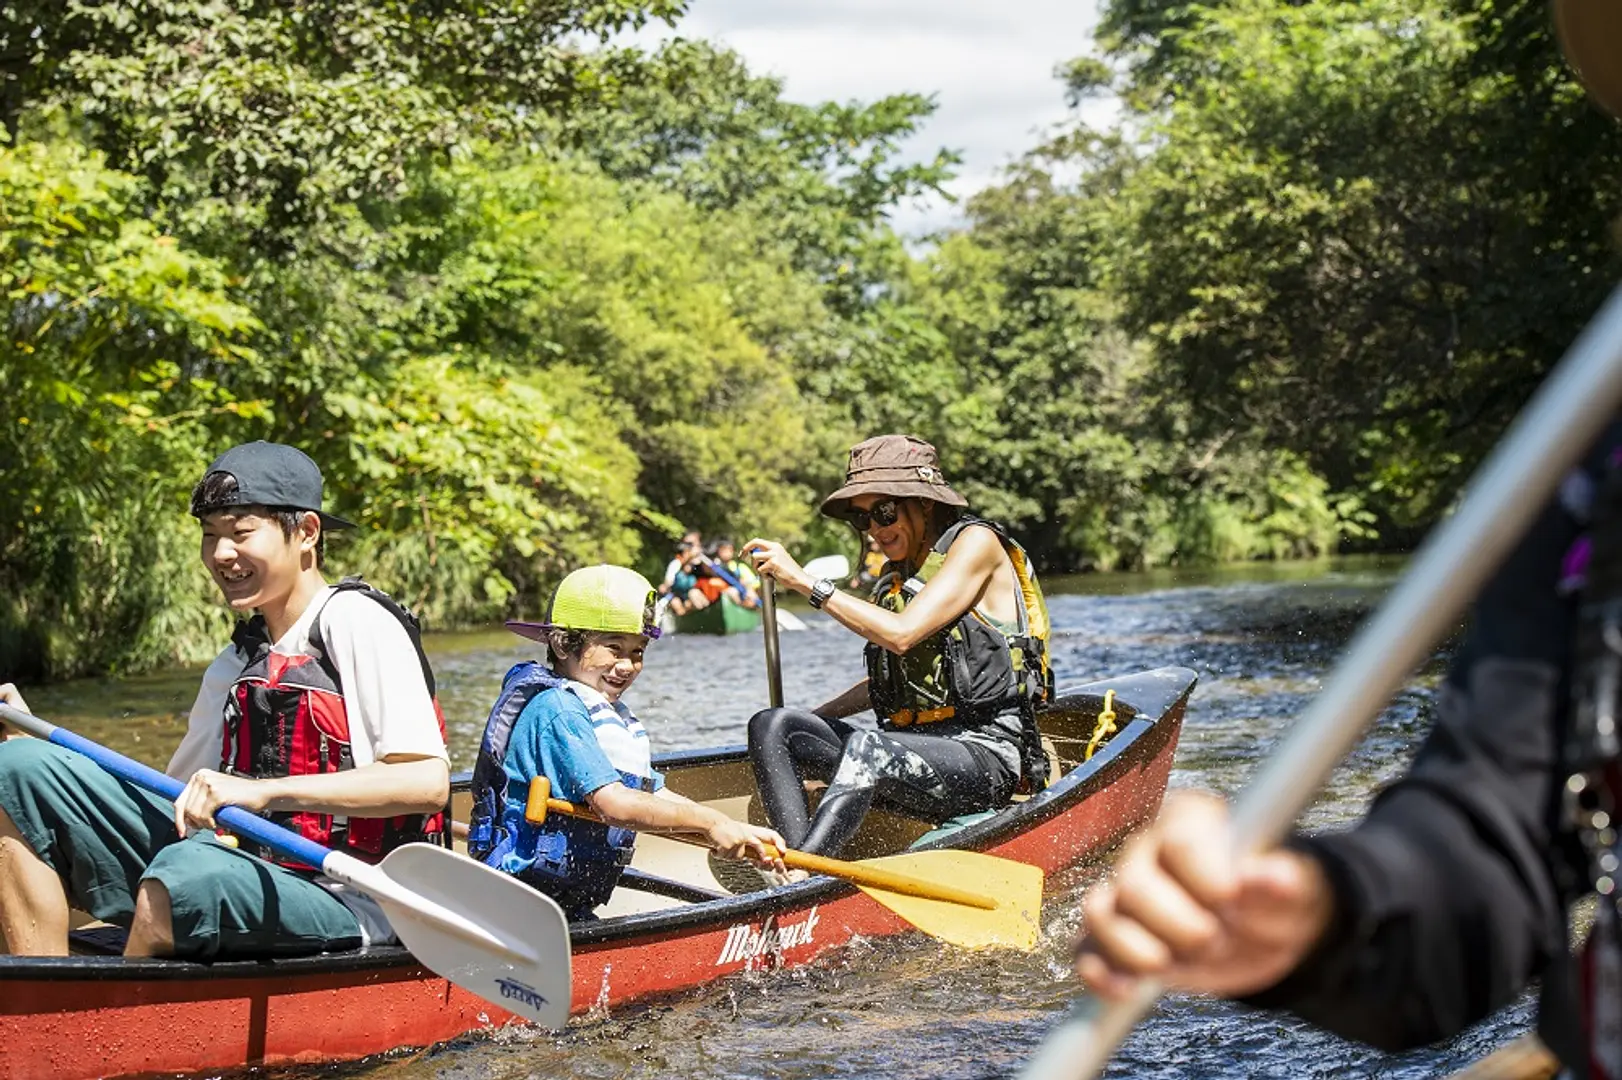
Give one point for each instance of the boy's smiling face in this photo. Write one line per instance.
(252, 561)
(609, 663)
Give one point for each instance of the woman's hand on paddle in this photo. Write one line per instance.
(772, 560)
(10, 695)
(739, 840)
(208, 790)
(1183, 910)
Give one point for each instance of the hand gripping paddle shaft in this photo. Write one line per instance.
(1552, 432)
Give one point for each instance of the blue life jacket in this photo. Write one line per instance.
(576, 862)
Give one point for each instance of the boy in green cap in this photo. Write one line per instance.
(565, 720)
(319, 715)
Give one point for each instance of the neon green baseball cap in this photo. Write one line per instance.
(605, 598)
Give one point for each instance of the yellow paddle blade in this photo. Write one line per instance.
(1016, 921)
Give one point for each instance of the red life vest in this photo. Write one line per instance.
(285, 716)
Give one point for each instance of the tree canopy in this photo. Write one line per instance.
(533, 298)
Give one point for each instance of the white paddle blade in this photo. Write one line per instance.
(833, 567)
(518, 960)
(787, 620)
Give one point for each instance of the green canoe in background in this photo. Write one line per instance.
(722, 618)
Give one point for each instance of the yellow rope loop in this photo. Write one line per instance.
(1105, 726)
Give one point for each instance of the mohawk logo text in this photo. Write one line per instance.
(744, 942)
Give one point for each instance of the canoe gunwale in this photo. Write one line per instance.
(149, 969)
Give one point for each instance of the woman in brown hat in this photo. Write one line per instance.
(956, 661)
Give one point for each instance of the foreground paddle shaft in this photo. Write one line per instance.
(1568, 413)
(468, 922)
(540, 803)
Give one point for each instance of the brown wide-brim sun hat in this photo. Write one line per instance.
(1591, 35)
(898, 465)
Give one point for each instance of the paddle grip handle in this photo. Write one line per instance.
(239, 821)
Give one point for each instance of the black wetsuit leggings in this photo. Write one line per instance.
(929, 777)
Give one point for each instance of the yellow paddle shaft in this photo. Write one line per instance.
(878, 878)
(540, 803)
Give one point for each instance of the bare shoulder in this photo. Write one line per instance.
(976, 544)
(978, 555)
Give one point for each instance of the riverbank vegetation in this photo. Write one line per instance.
(532, 302)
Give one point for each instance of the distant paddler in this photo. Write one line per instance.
(679, 589)
(956, 662)
(737, 578)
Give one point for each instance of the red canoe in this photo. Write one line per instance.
(671, 928)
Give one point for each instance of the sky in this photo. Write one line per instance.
(989, 64)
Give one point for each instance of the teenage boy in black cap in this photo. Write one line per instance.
(319, 714)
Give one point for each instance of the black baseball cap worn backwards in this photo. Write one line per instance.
(274, 476)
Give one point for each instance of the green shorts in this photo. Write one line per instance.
(105, 836)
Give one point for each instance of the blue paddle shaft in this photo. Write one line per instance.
(239, 821)
(722, 573)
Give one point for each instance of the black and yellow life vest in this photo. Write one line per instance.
(971, 670)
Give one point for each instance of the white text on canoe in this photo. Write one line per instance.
(745, 943)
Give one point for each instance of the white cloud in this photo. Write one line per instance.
(989, 66)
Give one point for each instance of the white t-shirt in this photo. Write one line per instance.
(623, 739)
(385, 699)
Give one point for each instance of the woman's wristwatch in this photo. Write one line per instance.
(821, 589)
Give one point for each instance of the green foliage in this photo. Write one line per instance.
(825, 176)
(1366, 230)
(274, 113)
(508, 364)
(482, 489)
(111, 332)
(532, 304)
(563, 277)
(1061, 423)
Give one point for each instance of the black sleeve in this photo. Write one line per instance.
(1446, 902)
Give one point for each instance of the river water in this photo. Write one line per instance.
(1262, 639)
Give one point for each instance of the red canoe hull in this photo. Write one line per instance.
(88, 1017)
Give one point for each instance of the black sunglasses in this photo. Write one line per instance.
(883, 514)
